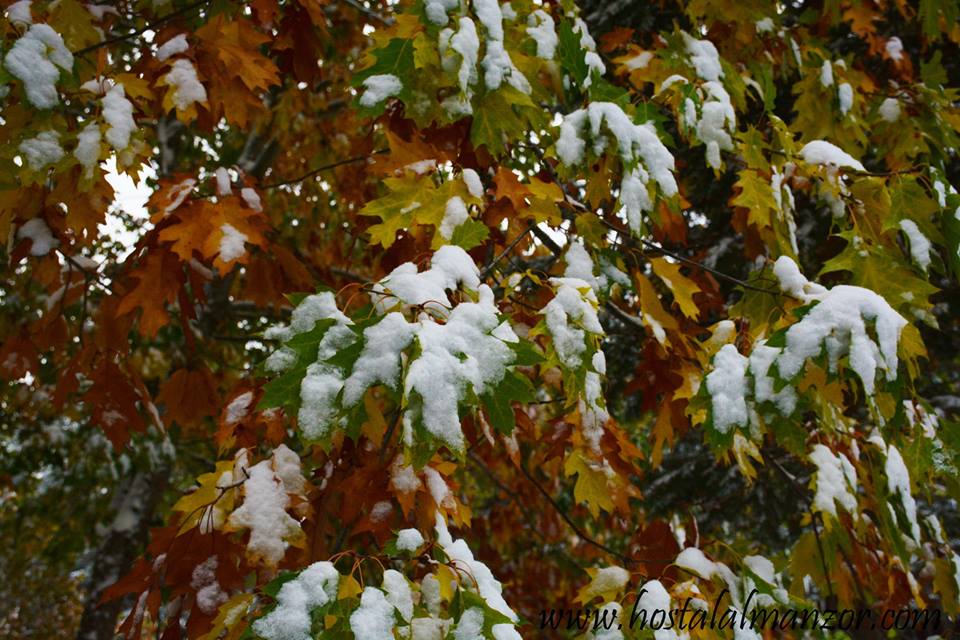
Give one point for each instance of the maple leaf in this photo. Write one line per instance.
(159, 278)
(683, 288)
(188, 395)
(208, 505)
(591, 487)
(509, 186)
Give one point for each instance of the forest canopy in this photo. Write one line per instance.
(424, 319)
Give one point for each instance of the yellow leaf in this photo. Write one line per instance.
(591, 487)
(682, 287)
(348, 588)
(743, 450)
(205, 506)
(231, 618)
(654, 317)
(446, 578)
(607, 583)
(756, 195)
(375, 425)
(544, 197)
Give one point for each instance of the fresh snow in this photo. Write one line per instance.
(173, 46)
(314, 587)
(436, 10)
(727, 385)
(187, 89)
(18, 13)
(374, 618)
(607, 579)
(470, 625)
(920, 246)
(467, 44)
(838, 323)
(231, 243)
(826, 153)
(704, 58)
(895, 49)
(472, 180)
(717, 121)
(638, 146)
(251, 198)
(87, 152)
(118, 114)
(454, 215)
(34, 59)
(480, 576)
(890, 109)
(42, 150)
(238, 408)
(38, 232)
(378, 88)
(409, 540)
(398, 592)
(542, 29)
(451, 269)
(403, 478)
(460, 354)
(380, 359)
(898, 484)
(203, 580)
(693, 560)
(263, 512)
(826, 74)
(570, 316)
(836, 481)
(845, 94)
(222, 177)
(497, 64)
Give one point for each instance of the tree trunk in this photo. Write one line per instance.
(135, 506)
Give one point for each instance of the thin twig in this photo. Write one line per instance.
(323, 168)
(139, 32)
(513, 243)
(573, 525)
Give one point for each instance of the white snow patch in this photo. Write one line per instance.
(826, 153)
(231, 243)
(373, 619)
(173, 46)
(894, 49)
(409, 540)
(87, 152)
(42, 150)
(543, 30)
(314, 587)
(890, 109)
(845, 94)
(920, 246)
(380, 87)
(836, 481)
(727, 385)
(187, 88)
(34, 59)
(704, 58)
(263, 512)
(118, 113)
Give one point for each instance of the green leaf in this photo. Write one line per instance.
(470, 234)
(571, 53)
(499, 400)
(284, 391)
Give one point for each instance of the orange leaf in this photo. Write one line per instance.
(159, 277)
(510, 187)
